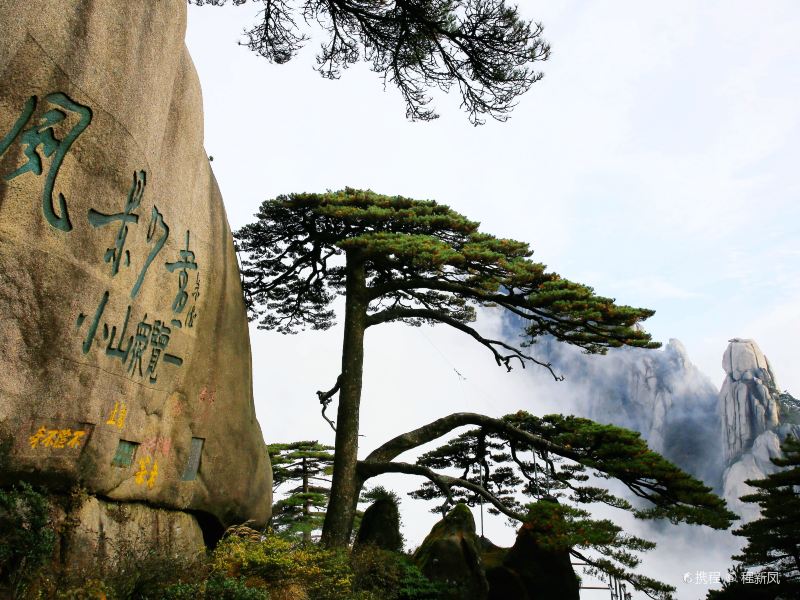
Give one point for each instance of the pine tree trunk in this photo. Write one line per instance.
(306, 502)
(345, 485)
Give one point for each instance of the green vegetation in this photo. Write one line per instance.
(310, 464)
(26, 539)
(521, 465)
(216, 587)
(290, 569)
(417, 262)
(773, 540)
(391, 575)
(481, 47)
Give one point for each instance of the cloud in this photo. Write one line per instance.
(654, 288)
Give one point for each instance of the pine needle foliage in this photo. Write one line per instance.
(482, 48)
(396, 259)
(309, 464)
(773, 540)
(540, 471)
(425, 263)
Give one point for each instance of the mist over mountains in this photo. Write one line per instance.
(721, 434)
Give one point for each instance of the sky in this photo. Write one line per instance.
(656, 161)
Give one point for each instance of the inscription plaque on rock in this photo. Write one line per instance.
(121, 309)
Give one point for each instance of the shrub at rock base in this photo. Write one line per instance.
(26, 538)
(276, 563)
(289, 569)
(391, 576)
(216, 588)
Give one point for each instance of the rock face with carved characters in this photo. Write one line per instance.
(123, 333)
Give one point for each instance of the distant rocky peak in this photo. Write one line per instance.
(677, 352)
(743, 361)
(749, 398)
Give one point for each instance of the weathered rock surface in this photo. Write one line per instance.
(380, 526)
(751, 406)
(107, 532)
(748, 398)
(451, 554)
(754, 463)
(529, 570)
(123, 333)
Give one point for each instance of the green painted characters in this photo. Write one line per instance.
(41, 140)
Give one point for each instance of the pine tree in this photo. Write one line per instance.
(773, 540)
(395, 259)
(483, 48)
(535, 471)
(302, 511)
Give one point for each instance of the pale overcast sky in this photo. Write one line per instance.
(656, 161)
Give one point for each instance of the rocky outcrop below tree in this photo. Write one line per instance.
(472, 567)
(123, 331)
(530, 570)
(450, 554)
(380, 526)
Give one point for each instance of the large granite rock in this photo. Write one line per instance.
(530, 569)
(106, 533)
(450, 554)
(123, 332)
(380, 526)
(754, 463)
(748, 399)
(750, 407)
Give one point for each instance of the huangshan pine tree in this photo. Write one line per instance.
(483, 48)
(772, 553)
(306, 465)
(545, 472)
(396, 259)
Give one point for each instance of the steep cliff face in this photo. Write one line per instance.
(123, 334)
(748, 399)
(723, 436)
(751, 409)
(754, 463)
(659, 393)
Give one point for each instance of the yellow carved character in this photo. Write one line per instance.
(123, 411)
(62, 438)
(75, 442)
(37, 437)
(153, 475)
(112, 420)
(52, 434)
(141, 474)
